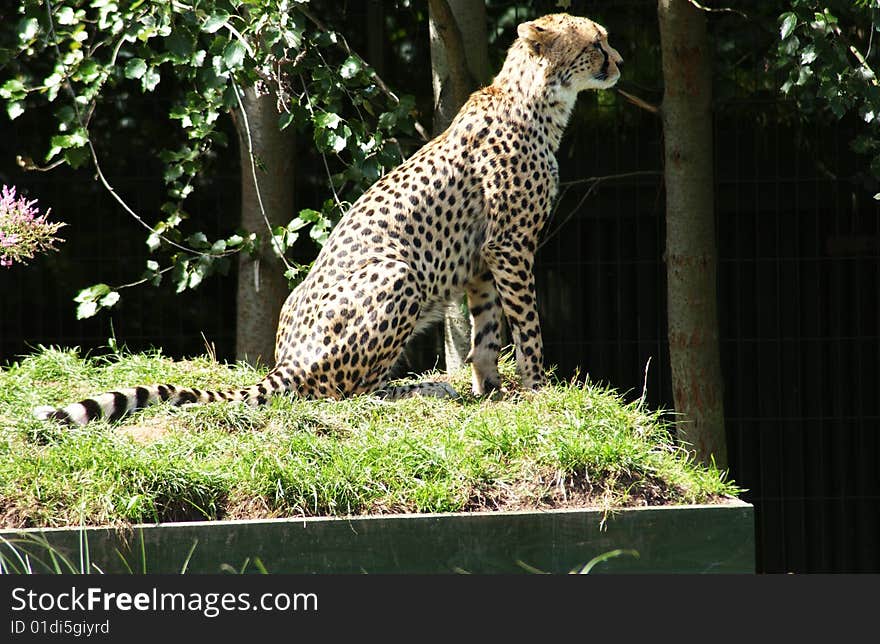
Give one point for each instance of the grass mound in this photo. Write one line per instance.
(568, 445)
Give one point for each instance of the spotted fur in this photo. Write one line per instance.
(462, 215)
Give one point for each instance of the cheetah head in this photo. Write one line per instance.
(576, 48)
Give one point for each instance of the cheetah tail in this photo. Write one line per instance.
(114, 405)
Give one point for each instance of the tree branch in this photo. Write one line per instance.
(638, 102)
(718, 10)
(594, 183)
(863, 63)
(611, 177)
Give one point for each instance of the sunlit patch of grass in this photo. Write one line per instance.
(569, 445)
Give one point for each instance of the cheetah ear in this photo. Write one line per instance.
(536, 37)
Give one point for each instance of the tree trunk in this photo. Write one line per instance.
(262, 286)
(375, 26)
(691, 257)
(459, 64)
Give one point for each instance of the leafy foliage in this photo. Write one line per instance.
(69, 56)
(826, 50)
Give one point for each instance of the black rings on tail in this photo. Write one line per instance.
(114, 405)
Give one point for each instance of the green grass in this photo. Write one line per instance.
(569, 445)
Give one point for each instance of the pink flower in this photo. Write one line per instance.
(23, 230)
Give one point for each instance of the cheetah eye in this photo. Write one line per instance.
(593, 46)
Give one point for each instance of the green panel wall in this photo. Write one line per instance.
(676, 539)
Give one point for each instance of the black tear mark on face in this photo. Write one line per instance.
(603, 72)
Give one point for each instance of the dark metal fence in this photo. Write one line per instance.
(799, 301)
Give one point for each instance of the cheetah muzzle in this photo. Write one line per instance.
(462, 215)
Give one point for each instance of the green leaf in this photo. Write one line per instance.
(14, 110)
(109, 300)
(198, 273)
(387, 120)
(327, 120)
(280, 242)
(135, 68)
(173, 172)
(233, 54)
(285, 120)
(60, 141)
(65, 16)
(13, 88)
(271, 35)
(78, 138)
(370, 170)
(89, 70)
(350, 67)
(153, 241)
(293, 38)
(804, 74)
(808, 55)
(310, 216)
(180, 46)
(92, 293)
(73, 140)
(320, 232)
(180, 274)
(197, 240)
(86, 310)
(296, 224)
(76, 157)
(27, 29)
(152, 272)
(150, 79)
(789, 23)
(230, 98)
(53, 79)
(332, 141)
(789, 46)
(215, 22)
(94, 297)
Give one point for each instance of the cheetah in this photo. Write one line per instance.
(461, 216)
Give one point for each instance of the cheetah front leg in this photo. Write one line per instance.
(512, 270)
(485, 310)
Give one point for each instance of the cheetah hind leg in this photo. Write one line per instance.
(432, 389)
